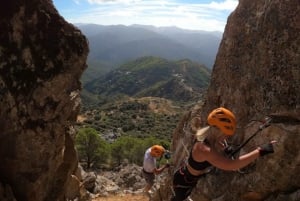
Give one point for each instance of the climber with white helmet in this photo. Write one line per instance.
(208, 152)
(149, 165)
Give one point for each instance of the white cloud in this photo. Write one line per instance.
(212, 16)
(226, 5)
(116, 1)
(76, 2)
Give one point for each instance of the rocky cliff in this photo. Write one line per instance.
(256, 74)
(41, 60)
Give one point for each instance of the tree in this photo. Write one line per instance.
(92, 149)
(121, 148)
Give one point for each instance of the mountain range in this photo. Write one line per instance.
(111, 46)
(140, 79)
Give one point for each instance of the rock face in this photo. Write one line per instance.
(256, 73)
(257, 67)
(41, 60)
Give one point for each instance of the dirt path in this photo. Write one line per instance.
(126, 197)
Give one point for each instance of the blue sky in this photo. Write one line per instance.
(188, 14)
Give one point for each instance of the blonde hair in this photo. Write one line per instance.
(202, 133)
(210, 134)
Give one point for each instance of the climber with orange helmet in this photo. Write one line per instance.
(208, 152)
(149, 165)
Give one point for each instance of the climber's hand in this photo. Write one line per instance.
(266, 148)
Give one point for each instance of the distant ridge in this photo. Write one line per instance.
(111, 46)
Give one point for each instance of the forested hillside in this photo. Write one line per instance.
(180, 81)
(142, 117)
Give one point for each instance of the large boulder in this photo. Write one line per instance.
(256, 74)
(41, 60)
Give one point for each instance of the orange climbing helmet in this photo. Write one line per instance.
(223, 119)
(157, 151)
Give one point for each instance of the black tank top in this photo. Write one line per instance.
(197, 165)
